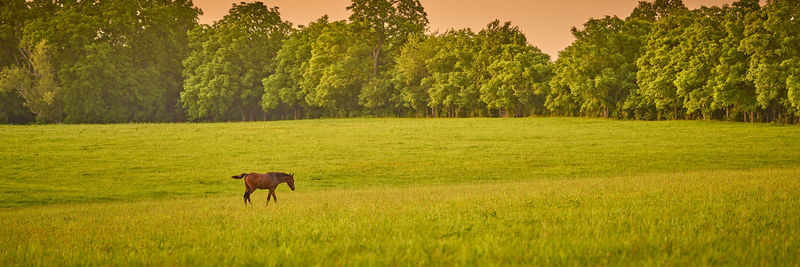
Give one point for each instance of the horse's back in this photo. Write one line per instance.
(262, 180)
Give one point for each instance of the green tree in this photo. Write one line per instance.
(386, 26)
(336, 71)
(35, 81)
(658, 67)
(600, 68)
(773, 43)
(698, 55)
(159, 46)
(490, 44)
(117, 61)
(656, 10)
(640, 23)
(732, 89)
(228, 62)
(561, 100)
(411, 69)
(101, 86)
(451, 86)
(518, 82)
(388, 22)
(13, 16)
(282, 90)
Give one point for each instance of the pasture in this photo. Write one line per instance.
(562, 191)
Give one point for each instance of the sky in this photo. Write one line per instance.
(546, 23)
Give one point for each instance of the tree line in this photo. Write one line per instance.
(69, 61)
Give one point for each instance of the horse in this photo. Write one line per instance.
(270, 180)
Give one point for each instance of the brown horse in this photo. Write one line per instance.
(271, 180)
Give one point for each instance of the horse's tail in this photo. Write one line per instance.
(240, 176)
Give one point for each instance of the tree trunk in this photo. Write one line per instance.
(675, 112)
(376, 56)
(727, 118)
(758, 115)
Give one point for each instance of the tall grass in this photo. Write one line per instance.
(693, 218)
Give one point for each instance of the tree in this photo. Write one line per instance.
(638, 104)
(411, 69)
(229, 61)
(159, 46)
(600, 68)
(490, 44)
(336, 70)
(561, 100)
(451, 85)
(698, 55)
(773, 45)
(388, 22)
(282, 90)
(13, 16)
(116, 61)
(35, 81)
(518, 80)
(658, 67)
(656, 10)
(386, 25)
(732, 89)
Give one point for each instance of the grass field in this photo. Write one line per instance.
(403, 191)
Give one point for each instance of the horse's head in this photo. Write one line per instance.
(290, 181)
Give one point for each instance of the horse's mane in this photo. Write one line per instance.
(281, 174)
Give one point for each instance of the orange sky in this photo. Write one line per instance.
(546, 23)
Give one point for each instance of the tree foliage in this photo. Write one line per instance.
(229, 60)
(733, 91)
(336, 71)
(599, 67)
(13, 17)
(145, 60)
(106, 61)
(773, 43)
(658, 67)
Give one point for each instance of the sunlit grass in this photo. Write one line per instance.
(536, 191)
(704, 217)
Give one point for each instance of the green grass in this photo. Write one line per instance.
(89, 163)
(537, 191)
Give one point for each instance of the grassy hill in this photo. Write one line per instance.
(402, 191)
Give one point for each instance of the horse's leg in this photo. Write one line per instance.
(246, 193)
(271, 194)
